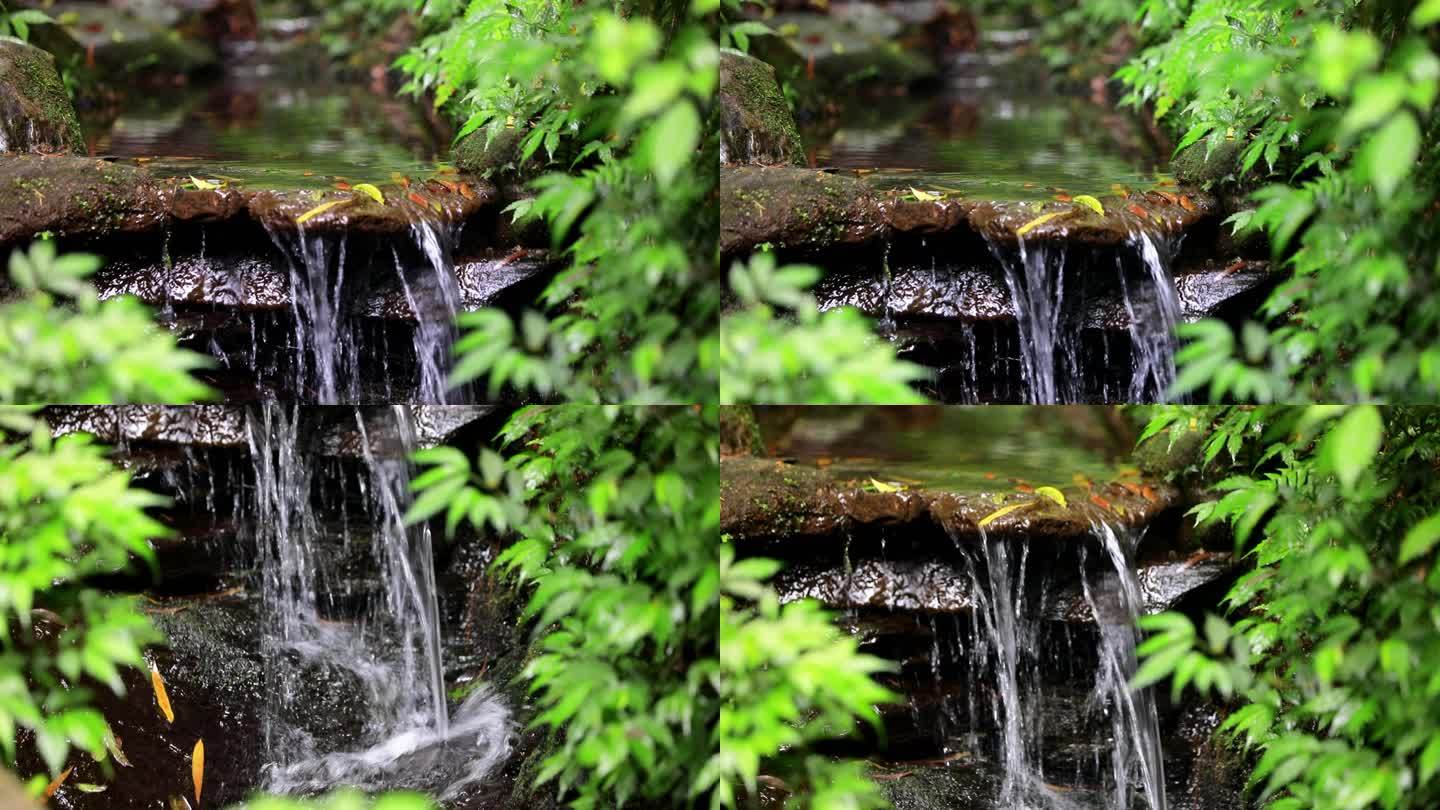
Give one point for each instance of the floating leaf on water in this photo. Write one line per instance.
(1053, 494)
(197, 767)
(317, 211)
(1001, 512)
(161, 698)
(112, 744)
(203, 185)
(371, 191)
(881, 486)
(86, 787)
(925, 196)
(1091, 203)
(57, 782)
(1036, 222)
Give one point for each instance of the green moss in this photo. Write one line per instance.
(31, 92)
(757, 121)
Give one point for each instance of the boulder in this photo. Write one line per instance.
(756, 125)
(35, 111)
(795, 208)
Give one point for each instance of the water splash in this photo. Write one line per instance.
(390, 652)
(1115, 599)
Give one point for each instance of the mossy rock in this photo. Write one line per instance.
(795, 208)
(35, 111)
(739, 432)
(496, 156)
(1199, 165)
(756, 125)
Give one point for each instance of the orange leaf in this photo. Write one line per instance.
(1100, 502)
(197, 767)
(1148, 493)
(158, 684)
(989, 476)
(417, 199)
(343, 186)
(1063, 197)
(1136, 210)
(1024, 487)
(57, 782)
(1186, 204)
(1132, 488)
(466, 192)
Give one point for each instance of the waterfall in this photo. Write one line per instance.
(434, 297)
(1115, 599)
(1036, 280)
(327, 361)
(1050, 324)
(1153, 308)
(391, 652)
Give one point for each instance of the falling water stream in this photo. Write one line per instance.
(391, 651)
(1005, 651)
(1050, 325)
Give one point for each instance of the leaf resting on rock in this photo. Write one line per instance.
(161, 698)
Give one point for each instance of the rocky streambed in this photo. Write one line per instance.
(312, 638)
(998, 557)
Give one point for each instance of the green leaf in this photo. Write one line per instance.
(1389, 155)
(1037, 222)
(1351, 445)
(1052, 493)
(671, 143)
(371, 191)
(1420, 539)
(1427, 13)
(317, 211)
(1091, 203)
(1375, 98)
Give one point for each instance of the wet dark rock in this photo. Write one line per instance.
(979, 293)
(944, 586)
(795, 208)
(84, 197)
(769, 500)
(35, 111)
(756, 126)
(1198, 164)
(66, 195)
(225, 426)
(960, 786)
(256, 283)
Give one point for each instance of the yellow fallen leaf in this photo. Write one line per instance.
(372, 191)
(317, 211)
(197, 767)
(86, 787)
(1001, 512)
(1092, 203)
(203, 185)
(881, 486)
(112, 743)
(1052, 493)
(158, 684)
(57, 782)
(1036, 222)
(925, 196)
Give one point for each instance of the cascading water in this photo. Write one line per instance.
(434, 296)
(1050, 340)
(391, 652)
(327, 360)
(1115, 599)
(1036, 280)
(1153, 307)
